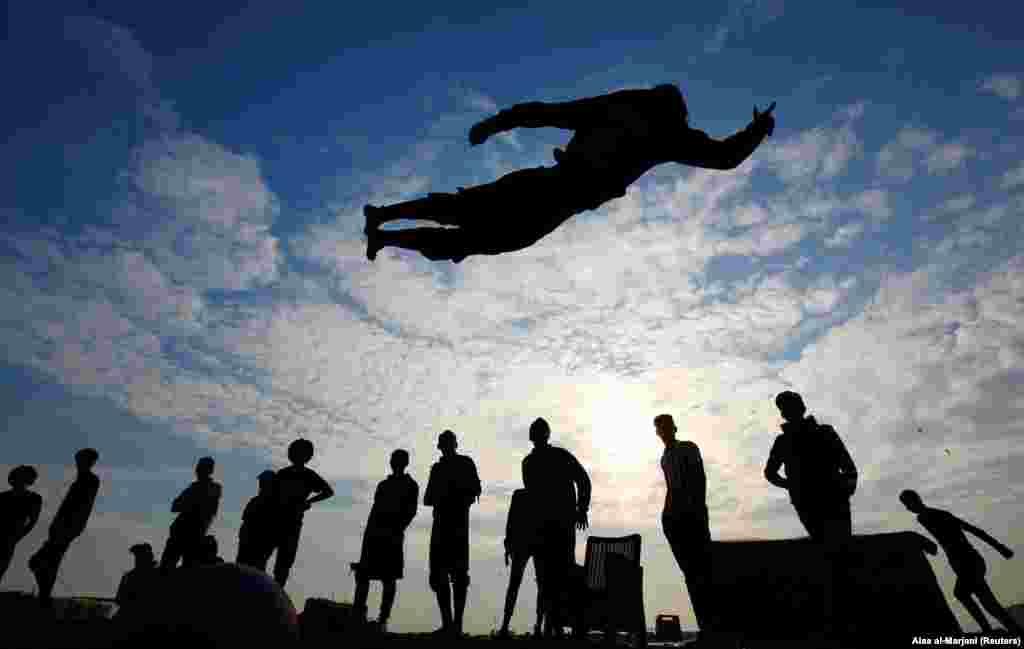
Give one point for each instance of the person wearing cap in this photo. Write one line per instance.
(19, 512)
(68, 524)
(136, 581)
(452, 488)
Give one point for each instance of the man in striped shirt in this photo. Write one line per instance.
(685, 516)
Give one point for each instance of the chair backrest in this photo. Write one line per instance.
(598, 550)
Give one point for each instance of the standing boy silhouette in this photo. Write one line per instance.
(19, 512)
(67, 525)
(196, 507)
(256, 536)
(382, 557)
(297, 487)
(452, 488)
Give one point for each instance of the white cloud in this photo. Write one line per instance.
(1013, 178)
(874, 203)
(1007, 86)
(844, 235)
(958, 203)
(819, 154)
(948, 157)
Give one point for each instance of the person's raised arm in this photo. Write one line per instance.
(771, 469)
(984, 536)
(697, 149)
(569, 115)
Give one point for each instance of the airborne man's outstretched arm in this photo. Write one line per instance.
(699, 150)
(569, 115)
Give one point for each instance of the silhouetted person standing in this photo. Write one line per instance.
(618, 138)
(136, 582)
(256, 536)
(67, 525)
(966, 561)
(820, 477)
(452, 488)
(684, 517)
(19, 512)
(521, 544)
(382, 557)
(196, 507)
(297, 488)
(560, 488)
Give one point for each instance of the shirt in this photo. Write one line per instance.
(453, 485)
(685, 481)
(18, 509)
(74, 510)
(394, 503)
(559, 483)
(197, 505)
(294, 485)
(814, 459)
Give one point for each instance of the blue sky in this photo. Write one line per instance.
(183, 269)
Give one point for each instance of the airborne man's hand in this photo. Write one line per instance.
(765, 119)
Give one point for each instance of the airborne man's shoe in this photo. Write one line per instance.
(373, 218)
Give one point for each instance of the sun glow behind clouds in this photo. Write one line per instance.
(618, 417)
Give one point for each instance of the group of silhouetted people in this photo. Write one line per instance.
(272, 521)
(820, 477)
(541, 525)
(543, 517)
(20, 509)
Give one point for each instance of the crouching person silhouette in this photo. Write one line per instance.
(965, 560)
(382, 557)
(618, 138)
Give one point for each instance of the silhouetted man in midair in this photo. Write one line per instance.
(617, 138)
(560, 488)
(821, 477)
(19, 512)
(257, 533)
(966, 561)
(382, 557)
(453, 486)
(684, 518)
(297, 487)
(67, 525)
(196, 507)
